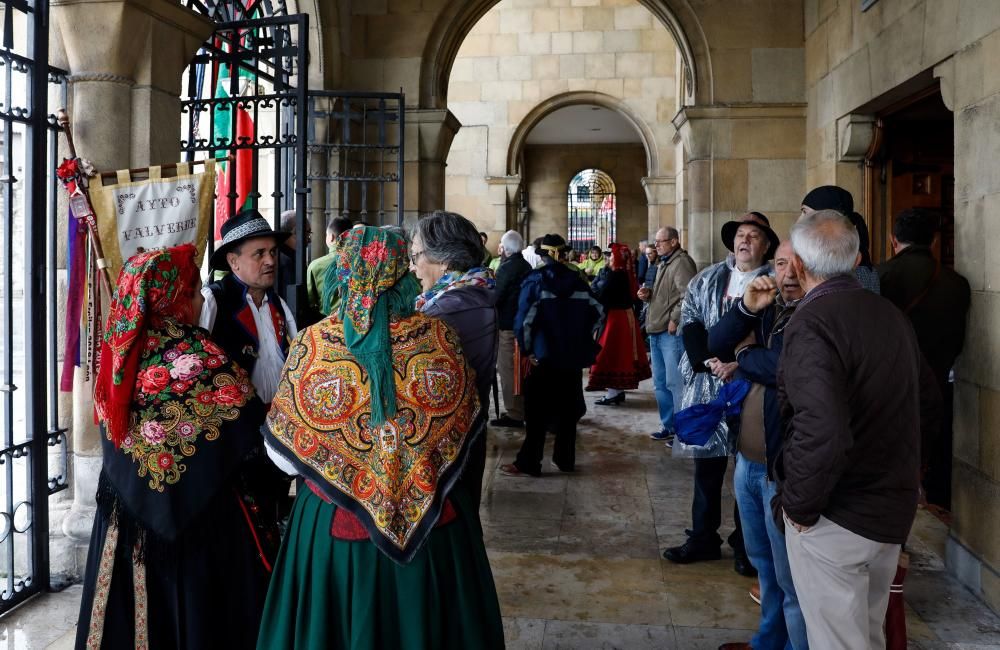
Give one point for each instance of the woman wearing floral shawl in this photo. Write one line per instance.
(622, 363)
(376, 410)
(177, 558)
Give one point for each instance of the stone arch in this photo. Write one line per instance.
(459, 17)
(520, 136)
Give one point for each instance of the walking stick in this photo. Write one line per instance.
(74, 172)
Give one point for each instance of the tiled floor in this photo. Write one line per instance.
(577, 563)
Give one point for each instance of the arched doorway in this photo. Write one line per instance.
(591, 210)
(503, 86)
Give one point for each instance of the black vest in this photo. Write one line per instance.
(235, 328)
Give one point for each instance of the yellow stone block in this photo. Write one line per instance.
(545, 20)
(571, 20)
(598, 19)
(769, 138)
(731, 71)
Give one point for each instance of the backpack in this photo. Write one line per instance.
(561, 326)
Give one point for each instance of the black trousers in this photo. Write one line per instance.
(706, 509)
(553, 401)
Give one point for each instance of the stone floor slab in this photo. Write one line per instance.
(562, 635)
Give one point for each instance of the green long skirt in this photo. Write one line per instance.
(331, 593)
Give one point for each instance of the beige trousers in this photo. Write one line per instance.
(842, 581)
(513, 404)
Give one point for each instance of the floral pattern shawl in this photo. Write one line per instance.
(477, 277)
(386, 448)
(151, 287)
(185, 399)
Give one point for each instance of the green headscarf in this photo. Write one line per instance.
(376, 286)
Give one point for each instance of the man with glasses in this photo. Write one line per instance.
(675, 268)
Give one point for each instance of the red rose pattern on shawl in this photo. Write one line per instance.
(169, 416)
(321, 413)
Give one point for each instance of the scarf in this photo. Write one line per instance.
(388, 453)
(477, 277)
(153, 288)
(373, 278)
(621, 260)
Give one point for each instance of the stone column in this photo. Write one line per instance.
(125, 59)
(429, 133)
(503, 191)
(661, 199)
(740, 158)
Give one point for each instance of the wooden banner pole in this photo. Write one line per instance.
(79, 202)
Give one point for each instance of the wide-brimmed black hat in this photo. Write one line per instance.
(247, 224)
(757, 219)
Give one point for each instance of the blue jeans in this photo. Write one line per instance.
(665, 352)
(781, 623)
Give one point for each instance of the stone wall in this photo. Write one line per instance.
(856, 62)
(521, 55)
(549, 169)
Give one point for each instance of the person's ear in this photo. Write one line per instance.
(231, 259)
(857, 260)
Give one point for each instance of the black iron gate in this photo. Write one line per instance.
(289, 148)
(29, 413)
(591, 210)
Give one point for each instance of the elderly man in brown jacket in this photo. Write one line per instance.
(851, 386)
(675, 269)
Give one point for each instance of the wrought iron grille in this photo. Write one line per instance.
(29, 409)
(227, 11)
(592, 210)
(356, 156)
(246, 90)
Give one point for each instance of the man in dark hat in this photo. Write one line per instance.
(556, 319)
(832, 197)
(242, 311)
(710, 294)
(254, 326)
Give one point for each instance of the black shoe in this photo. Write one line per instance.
(507, 421)
(689, 552)
(609, 401)
(743, 567)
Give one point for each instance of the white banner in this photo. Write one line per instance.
(157, 214)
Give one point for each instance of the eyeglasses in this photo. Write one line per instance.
(415, 256)
(664, 241)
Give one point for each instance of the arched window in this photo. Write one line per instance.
(591, 210)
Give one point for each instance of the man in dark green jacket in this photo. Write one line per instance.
(936, 300)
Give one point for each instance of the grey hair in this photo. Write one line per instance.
(450, 239)
(287, 221)
(398, 230)
(512, 242)
(827, 243)
(672, 233)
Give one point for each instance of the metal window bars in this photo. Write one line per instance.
(32, 441)
(592, 210)
(314, 151)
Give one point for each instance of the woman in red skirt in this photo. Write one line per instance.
(622, 363)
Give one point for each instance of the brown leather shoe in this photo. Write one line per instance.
(755, 593)
(735, 646)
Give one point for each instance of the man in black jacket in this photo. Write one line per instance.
(510, 274)
(851, 387)
(754, 329)
(936, 300)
